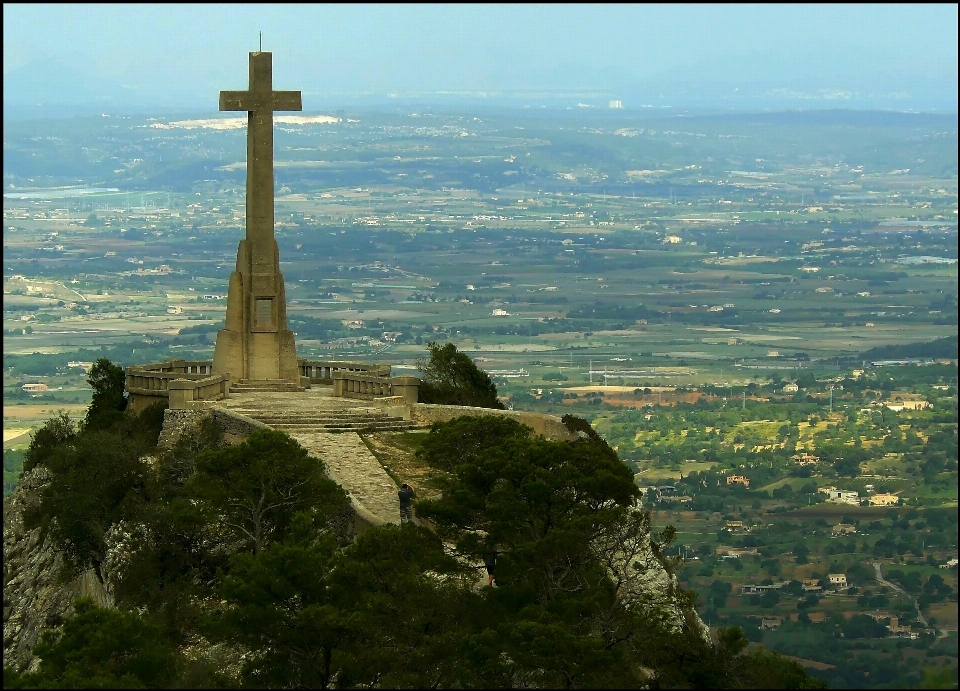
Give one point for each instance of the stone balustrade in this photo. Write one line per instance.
(183, 391)
(322, 371)
(148, 384)
(348, 384)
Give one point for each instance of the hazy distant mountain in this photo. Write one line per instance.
(757, 81)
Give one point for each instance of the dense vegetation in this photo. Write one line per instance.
(452, 378)
(240, 546)
(940, 348)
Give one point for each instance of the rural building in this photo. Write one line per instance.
(791, 388)
(806, 459)
(734, 525)
(735, 552)
(900, 631)
(907, 402)
(841, 496)
(884, 499)
(174, 310)
(770, 623)
(34, 388)
(844, 529)
(950, 563)
(838, 580)
(754, 589)
(738, 479)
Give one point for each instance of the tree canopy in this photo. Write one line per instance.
(109, 401)
(450, 377)
(240, 551)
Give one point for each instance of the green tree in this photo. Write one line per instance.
(719, 591)
(450, 377)
(763, 669)
(769, 599)
(385, 611)
(461, 440)
(256, 487)
(548, 508)
(54, 432)
(109, 401)
(934, 678)
(96, 478)
(100, 648)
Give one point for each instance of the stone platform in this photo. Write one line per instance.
(328, 427)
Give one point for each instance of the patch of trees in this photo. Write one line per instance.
(240, 546)
(945, 347)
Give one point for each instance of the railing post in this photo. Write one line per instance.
(406, 386)
(181, 391)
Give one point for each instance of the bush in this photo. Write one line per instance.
(100, 648)
(452, 378)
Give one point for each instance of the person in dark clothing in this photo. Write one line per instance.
(490, 561)
(406, 495)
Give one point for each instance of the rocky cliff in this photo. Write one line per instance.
(36, 596)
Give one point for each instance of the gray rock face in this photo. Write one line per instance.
(34, 596)
(641, 578)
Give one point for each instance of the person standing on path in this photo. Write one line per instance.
(406, 496)
(490, 562)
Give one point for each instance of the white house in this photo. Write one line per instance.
(838, 580)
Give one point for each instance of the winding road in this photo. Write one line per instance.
(880, 578)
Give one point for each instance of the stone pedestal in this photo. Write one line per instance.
(255, 343)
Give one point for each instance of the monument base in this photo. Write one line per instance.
(268, 356)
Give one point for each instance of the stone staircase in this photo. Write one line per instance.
(271, 385)
(329, 421)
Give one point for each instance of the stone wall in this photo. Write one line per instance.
(234, 426)
(549, 426)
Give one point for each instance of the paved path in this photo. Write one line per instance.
(348, 459)
(876, 567)
(350, 463)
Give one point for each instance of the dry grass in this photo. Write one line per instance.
(396, 452)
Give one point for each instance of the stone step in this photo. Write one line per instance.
(274, 388)
(260, 412)
(333, 429)
(318, 417)
(344, 425)
(323, 420)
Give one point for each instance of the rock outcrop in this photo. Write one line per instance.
(36, 597)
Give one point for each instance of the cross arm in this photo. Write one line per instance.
(287, 100)
(236, 100)
(246, 100)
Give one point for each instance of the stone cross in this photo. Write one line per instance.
(260, 101)
(255, 344)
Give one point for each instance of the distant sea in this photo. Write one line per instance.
(58, 192)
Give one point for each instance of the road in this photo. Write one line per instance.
(876, 567)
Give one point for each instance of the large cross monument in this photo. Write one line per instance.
(256, 344)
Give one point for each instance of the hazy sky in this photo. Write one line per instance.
(885, 56)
